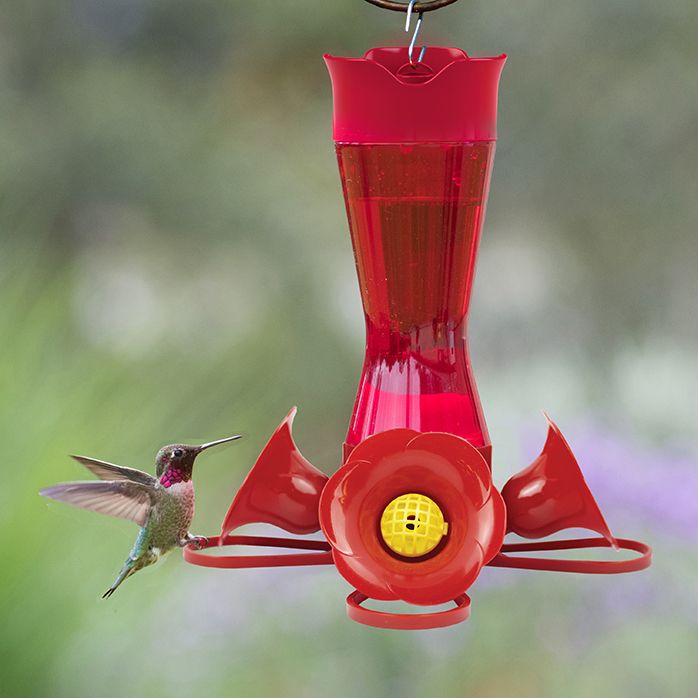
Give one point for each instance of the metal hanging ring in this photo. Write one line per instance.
(426, 6)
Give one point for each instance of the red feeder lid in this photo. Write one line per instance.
(381, 98)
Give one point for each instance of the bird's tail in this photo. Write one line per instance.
(126, 571)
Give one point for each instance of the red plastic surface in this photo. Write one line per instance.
(407, 621)
(282, 488)
(381, 98)
(322, 556)
(640, 562)
(415, 215)
(443, 467)
(551, 494)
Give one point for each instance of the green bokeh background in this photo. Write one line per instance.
(175, 265)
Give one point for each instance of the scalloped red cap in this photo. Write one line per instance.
(381, 98)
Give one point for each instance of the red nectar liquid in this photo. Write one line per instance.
(415, 215)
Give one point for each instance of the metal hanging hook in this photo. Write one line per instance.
(417, 27)
(418, 6)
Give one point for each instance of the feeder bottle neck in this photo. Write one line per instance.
(382, 98)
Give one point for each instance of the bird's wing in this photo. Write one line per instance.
(109, 471)
(124, 500)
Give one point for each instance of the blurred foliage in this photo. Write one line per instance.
(174, 264)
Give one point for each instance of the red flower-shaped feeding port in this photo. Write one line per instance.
(462, 517)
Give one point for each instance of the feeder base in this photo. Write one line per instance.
(407, 621)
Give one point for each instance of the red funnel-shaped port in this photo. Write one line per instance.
(551, 494)
(415, 147)
(282, 489)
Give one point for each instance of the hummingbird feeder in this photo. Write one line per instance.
(412, 514)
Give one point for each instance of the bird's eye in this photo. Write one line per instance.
(178, 453)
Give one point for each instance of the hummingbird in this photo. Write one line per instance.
(162, 505)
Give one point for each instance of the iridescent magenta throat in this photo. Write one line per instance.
(172, 476)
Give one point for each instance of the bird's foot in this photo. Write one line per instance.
(199, 542)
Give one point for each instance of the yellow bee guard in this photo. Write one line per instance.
(412, 525)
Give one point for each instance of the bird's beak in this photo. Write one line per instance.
(203, 447)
